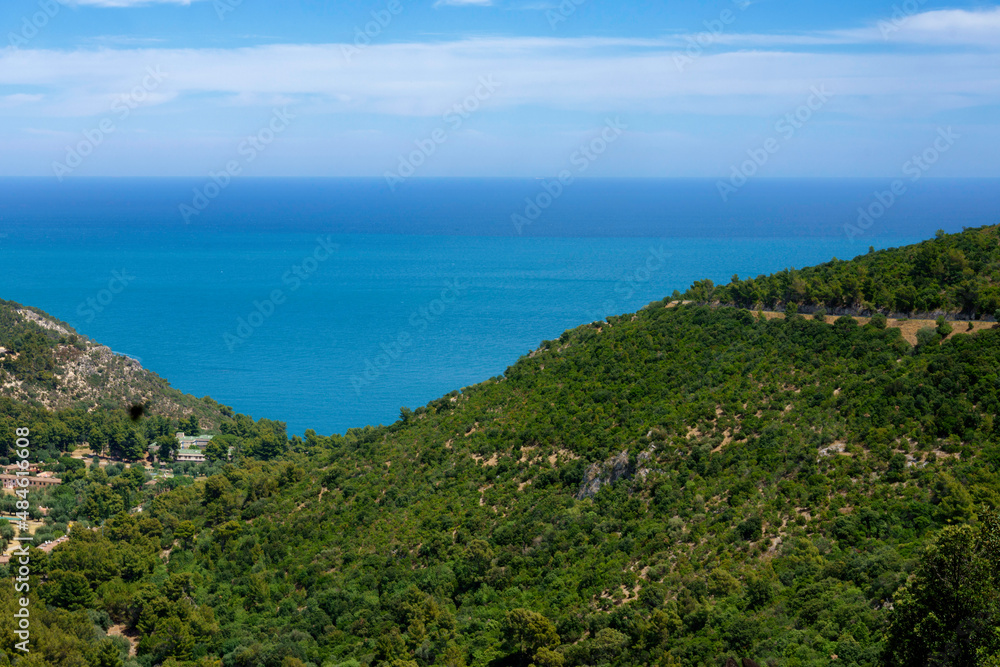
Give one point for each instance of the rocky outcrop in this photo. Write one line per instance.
(616, 468)
(601, 474)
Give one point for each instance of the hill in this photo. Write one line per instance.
(678, 486)
(48, 365)
(953, 274)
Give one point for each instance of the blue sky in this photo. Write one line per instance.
(174, 88)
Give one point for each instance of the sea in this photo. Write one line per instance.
(332, 303)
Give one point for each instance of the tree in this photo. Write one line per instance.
(750, 529)
(218, 447)
(943, 327)
(105, 654)
(101, 502)
(267, 445)
(191, 426)
(546, 657)
(947, 612)
(131, 446)
(171, 638)
(69, 590)
(927, 336)
(185, 532)
(169, 446)
(526, 632)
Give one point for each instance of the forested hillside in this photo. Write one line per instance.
(675, 487)
(953, 273)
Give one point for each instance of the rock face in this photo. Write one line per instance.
(600, 474)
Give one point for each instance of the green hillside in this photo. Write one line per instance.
(48, 365)
(675, 487)
(953, 273)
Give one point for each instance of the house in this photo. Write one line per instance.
(195, 455)
(41, 481)
(14, 467)
(193, 441)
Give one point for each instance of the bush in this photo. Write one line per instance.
(750, 529)
(927, 336)
(943, 327)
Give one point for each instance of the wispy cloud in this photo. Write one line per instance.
(19, 99)
(586, 74)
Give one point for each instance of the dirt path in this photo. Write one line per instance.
(909, 328)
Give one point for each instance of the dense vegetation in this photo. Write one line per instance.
(955, 273)
(673, 487)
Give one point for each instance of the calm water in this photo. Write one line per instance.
(386, 300)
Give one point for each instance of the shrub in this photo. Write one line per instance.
(927, 336)
(750, 529)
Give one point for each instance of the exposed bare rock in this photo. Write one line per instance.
(600, 474)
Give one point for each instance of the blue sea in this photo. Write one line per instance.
(330, 304)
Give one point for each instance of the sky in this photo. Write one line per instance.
(504, 88)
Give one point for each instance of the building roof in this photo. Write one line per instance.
(188, 439)
(189, 452)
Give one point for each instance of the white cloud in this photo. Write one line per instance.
(590, 75)
(951, 27)
(954, 27)
(19, 99)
